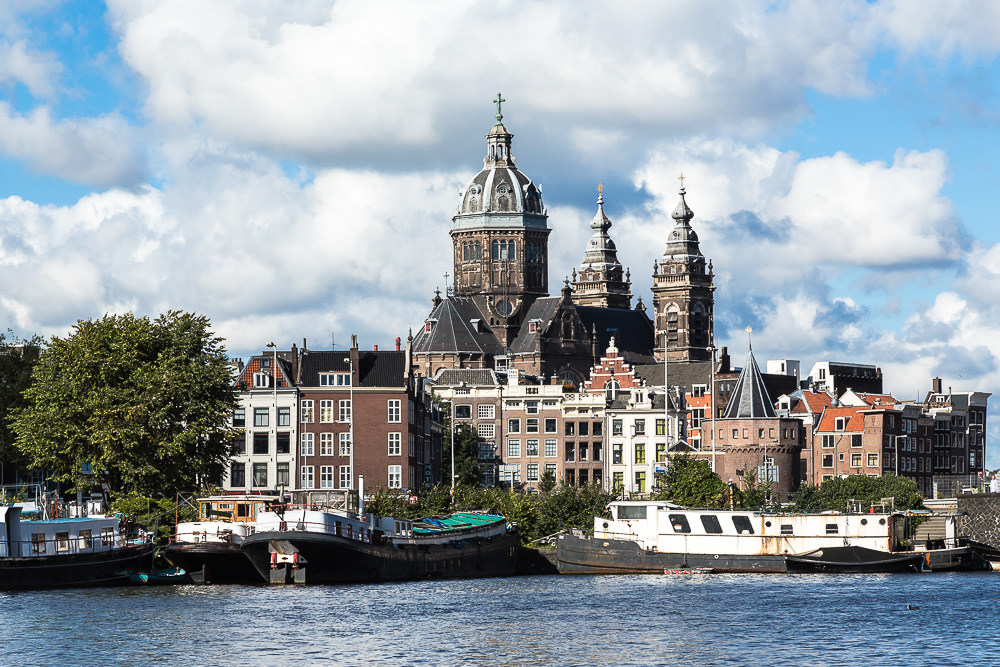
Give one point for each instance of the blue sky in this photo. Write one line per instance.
(291, 169)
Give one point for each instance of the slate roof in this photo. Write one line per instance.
(633, 331)
(543, 309)
(471, 376)
(750, 399)
(385, 368)
(454, 332)
(679, 374)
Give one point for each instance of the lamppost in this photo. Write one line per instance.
(274, 400)
(711, 402)
(350, 436)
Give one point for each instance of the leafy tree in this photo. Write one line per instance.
(17, 359)
(547, 482)
(466, 452)
(144, 403)
(571, 507)
(690, 482)
(835, 492)
(807, 499)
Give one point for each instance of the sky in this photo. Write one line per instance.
(290, 170)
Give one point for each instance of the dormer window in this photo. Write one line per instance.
(841, 423)
(428, 325)
(335, 379)
(261, 380)
(475, 322)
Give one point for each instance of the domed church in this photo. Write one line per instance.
(499, 315)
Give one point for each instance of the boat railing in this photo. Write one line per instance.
(360, 533)
(68, 546)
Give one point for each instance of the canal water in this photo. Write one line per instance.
(707, 619)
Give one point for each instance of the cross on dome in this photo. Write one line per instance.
(499, 100)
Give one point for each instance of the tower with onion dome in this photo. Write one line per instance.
(601, 281)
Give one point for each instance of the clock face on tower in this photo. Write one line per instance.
(503, 307)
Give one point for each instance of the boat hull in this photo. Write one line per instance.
(845, 560)
(103, 568)
(212, 562)
(323, 558)
(587, 555)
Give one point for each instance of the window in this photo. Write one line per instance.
(261, 380)
(640, 427)
(261, 443)
(306, 444)
(583, 451)
(569, 428)
(551, 447)
(832, 529)
(326, 412)
(597, 452)
(395, 444)
(345, 411)
(598, 428)
(736, 434)
(326, 444)
(260, 474)
(786, 529)
(513, 449)
(828, 460)
(261, 417)
(531, 407)
(531, 447)
(486, 411)
(570, 452)
(307, 477)
(661, 451)
(617, 481)
(284, 416)
(742, 524)
(326, 477)
(697, 414)
(711, 524)
(640, 482)
(345, 478)
(237, 475)
(616, 427)
(698, 390)
(856, 440)
(395, 477)
(284, 474)
(334, 379)
(240, 444)
(840, 423)
(616, 453)
(410, 447)
(107, 537)
(345, 444)
(307, 412)
(86, 541)
(486, 451)
(640, 452)
(828, 441)
(239, 418)
(856, 460)
(463, 412)
(551, 425)
(679, 523)
(395, 414)
(283, 443)
(513, 425)
(531, 425)
(487, 431)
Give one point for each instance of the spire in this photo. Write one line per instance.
(600, 276)
(750, 399)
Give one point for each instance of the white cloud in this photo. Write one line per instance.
(967, 27)
(36, 70)
(94, 151)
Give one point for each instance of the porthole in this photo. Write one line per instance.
(881, 522)
(864, 522)
(767, 523)
(605, 524)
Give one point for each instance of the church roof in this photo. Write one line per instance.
(454, 330)
(601, 254)
(632, 330)
(750, 399)
(682, 245)
(543, 310)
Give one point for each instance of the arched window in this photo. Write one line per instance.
(611, 389)
(496, 250)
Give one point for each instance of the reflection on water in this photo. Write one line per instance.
(554, 620)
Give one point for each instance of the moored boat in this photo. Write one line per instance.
(651, 536)
(327, 545)
(68, 552)
(209, 549)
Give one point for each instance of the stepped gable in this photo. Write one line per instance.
(375, 369)
(750, 399)
(453, 330)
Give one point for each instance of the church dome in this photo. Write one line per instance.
(500, 187)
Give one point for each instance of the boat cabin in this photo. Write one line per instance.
(224, 518)
(25, 538)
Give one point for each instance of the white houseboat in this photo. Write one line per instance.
(651, 536)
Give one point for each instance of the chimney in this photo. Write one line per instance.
(936, 385)
(397, 343)
(295, 362)
(375, 348)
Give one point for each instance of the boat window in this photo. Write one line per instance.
(205, 510)
(680, 523)
(786, 529)
(62, 542)
(37, 543)
(831, 529)
(107, 537)
(711, 523)
(243, 510)
(86, 542)
(742, 524)
(631, 511)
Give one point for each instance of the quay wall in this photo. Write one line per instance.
(981, 522)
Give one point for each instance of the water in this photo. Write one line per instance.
(545, 620)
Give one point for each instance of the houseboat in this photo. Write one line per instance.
(65, 552)
(316, 544)
(209, 549)
(650, 536)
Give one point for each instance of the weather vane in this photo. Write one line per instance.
(749, 330)
(499, 100)
(600, 190)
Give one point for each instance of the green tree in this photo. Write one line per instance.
(466, 453)
(690, 482)
(836, 491)
(17, 360)
(144, 403)
(807, 499)
(547, 482)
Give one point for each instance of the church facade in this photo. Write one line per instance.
(499, 313)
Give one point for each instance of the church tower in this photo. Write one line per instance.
(683, 300)
(500, 238)
(600, 281)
